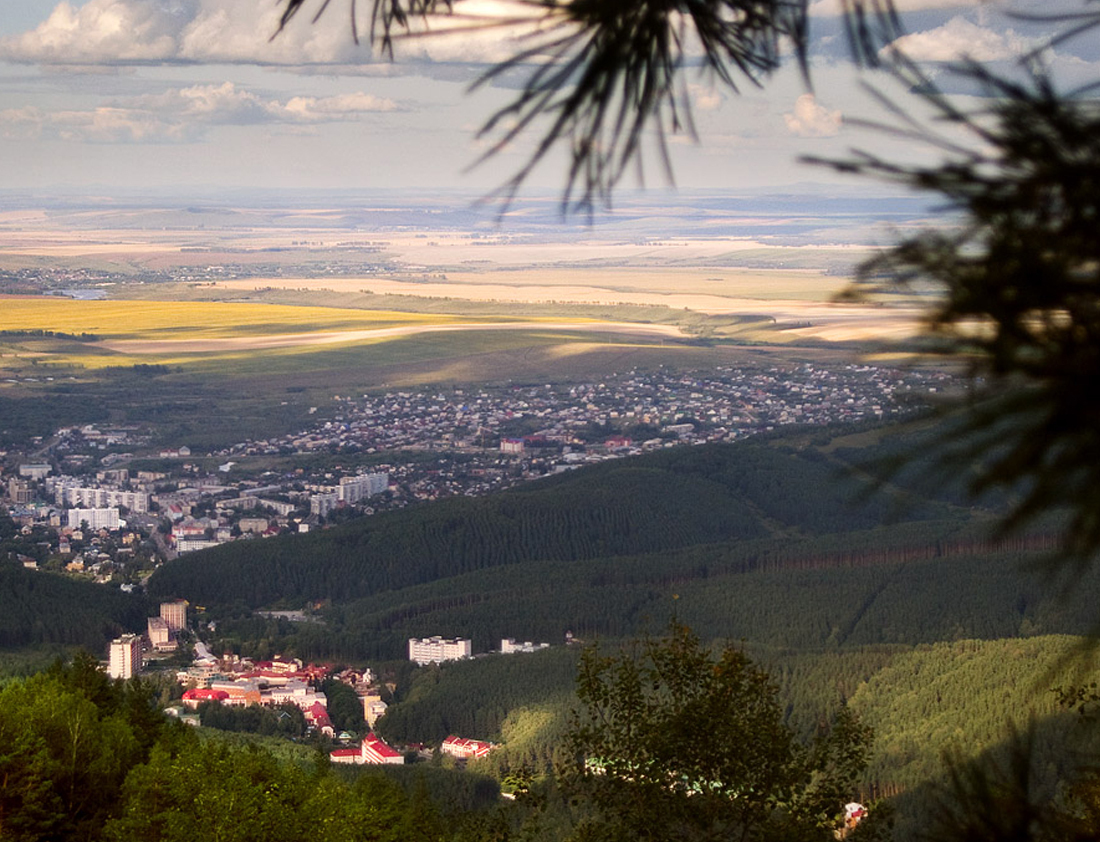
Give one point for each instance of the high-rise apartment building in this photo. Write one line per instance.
(175, 614)
(125, 659)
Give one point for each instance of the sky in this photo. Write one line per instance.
(176, 95)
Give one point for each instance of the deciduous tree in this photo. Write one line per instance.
(677, 742)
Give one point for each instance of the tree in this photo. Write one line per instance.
(1017, 283)
(1017, 275)
(676, 742)
(599, 73)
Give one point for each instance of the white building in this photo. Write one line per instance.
(194, 544)
(371, 751)
(508, 646)
(434, 650)
(354, 489)
(125, 657)
(159, 635)
(174, 614)
(94, 518)
(322, 504)
(68, 493)
(34, 471)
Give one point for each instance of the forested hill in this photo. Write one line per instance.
(40, 608)
(663, 501)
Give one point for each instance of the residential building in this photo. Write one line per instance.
(107, 518)
(20, 491)
(159, 634)
(34, 471)
(197, 695)
(174, 614)
(125, 656)
(68, 493)
(254, 524)
(434, 650)
(354, 489)
(322, 504)
(278, 506)
(373, 706)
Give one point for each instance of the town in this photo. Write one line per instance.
(288, 688)
(84, 504)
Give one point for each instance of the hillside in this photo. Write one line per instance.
(43, 608)
(661, 502)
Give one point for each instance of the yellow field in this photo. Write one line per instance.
(158, 320)
(182, 333)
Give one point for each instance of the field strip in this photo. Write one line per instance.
(288, 340)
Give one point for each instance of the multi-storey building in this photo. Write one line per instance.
(174, 614)
(461, 747)
(508, 646)
(68, 493)
(322, 504)
(106, 518)
(20, 491)
(434, 650)
(354, 489)
(159, 635)
(125, 656)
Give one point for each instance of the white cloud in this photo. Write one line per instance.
(705, 97)
(185, 115)
(959, 38)
(112, 31)
(308, 109)
(128, 32)
(812, 120)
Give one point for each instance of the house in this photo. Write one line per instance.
(317, 716)
(371, 751)
(377, 752)
(346, 755)
(464, 748)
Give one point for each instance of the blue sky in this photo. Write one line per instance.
(170, 94)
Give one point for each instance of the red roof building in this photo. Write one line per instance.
(196, 696)
(461, 747)
(373, 750)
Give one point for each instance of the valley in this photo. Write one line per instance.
(584, 434)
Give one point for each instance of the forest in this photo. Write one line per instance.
(890, 598)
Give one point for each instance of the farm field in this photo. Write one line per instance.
(237, 305)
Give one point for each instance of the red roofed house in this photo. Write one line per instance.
(346, 755)
(459, 747)
(374, 750)
(317, 716)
